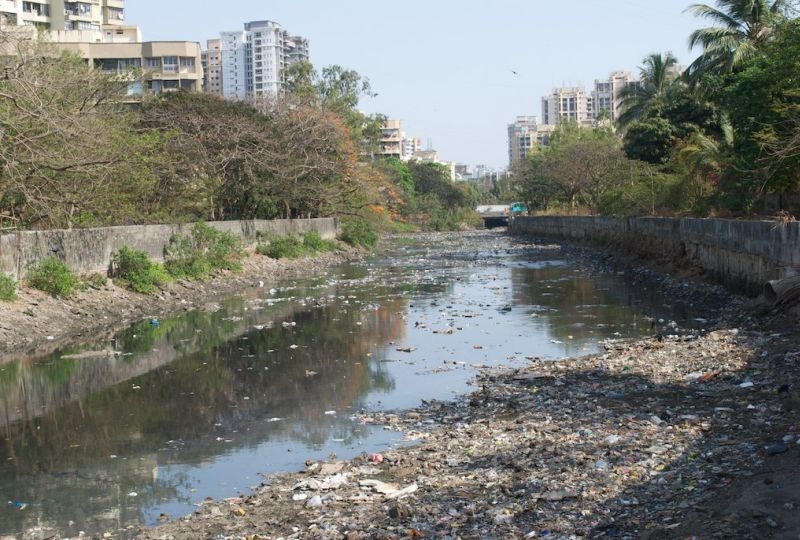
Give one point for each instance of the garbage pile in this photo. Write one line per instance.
(661, 438)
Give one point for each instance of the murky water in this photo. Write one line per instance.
(204, 405)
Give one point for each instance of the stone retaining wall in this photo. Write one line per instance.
(86, 251)
(743, 255)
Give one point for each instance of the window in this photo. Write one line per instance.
(170, 64)
(187, 62)
(152, 63)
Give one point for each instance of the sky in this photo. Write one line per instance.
(456, 72)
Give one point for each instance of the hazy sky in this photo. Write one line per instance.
(445, 67)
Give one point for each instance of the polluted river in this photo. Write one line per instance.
(115, 435)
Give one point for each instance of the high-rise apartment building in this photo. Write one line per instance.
(524, 135)
(568, 104)
(254, 59)
(607, 93)
(211, 59)
(521, 138)
(61, 14)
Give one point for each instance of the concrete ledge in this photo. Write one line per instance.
(743, 255)
(86, 251)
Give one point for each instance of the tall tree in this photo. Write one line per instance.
(742, 28)
(338, 90)
(763, 104)
(63, 133)
(656, 75)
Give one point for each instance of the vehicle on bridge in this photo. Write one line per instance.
(498, 215)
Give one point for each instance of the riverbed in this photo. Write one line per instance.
(144, 425)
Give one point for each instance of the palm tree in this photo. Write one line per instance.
(743, 27)
(705, 160)
(657, 74)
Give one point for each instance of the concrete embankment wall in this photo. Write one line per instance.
(743, 255)
(86, 251)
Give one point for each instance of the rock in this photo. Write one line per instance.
(776, 448)
(314, 502)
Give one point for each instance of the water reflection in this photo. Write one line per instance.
(113, 434)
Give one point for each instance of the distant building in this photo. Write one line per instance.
(159, 65)
(211, 59)
(61, 14)
(254, 59)
(164, 65)
(606, 93)
(568, 104)
(411, 146)
(391, 142)
(463, 171)
(521, 138)
(524, 135)
(428, 156)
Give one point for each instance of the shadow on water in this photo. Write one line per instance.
(110, 435)
(88, 439)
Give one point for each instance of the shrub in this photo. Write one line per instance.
(136, 269)
(53, 277)
(205, 250)
(359, 233)
(314, 243)
(8, 288)
(282, 247)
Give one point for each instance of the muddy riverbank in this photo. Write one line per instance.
(684, 433)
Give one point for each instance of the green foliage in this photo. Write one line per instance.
(359, 233)
(8, 288)
(314, 243)
(645, 191)
(398, 173)
(282, 247)
(650, 140)
(656, 76)
(53, 277)
(205, 250)
(742, 28)
(579, 167)
(135, 269)
(763, 104)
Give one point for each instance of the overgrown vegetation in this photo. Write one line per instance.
(53, 277)
(314, 243)
(359, 233)
(134, 269)
(203, 251)
(293, 246)
(8, 288)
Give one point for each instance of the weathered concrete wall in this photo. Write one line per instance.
(86, 251)
(741, 254)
